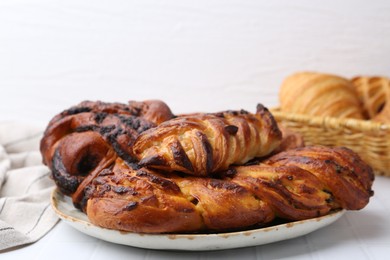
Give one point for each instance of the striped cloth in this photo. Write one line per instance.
(25, 187)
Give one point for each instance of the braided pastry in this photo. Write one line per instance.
(374, 92)
(319, 94)
(201, 144)
(92, 160)
(284, 186)
(148, 201)
(341, 171)
(78, 139)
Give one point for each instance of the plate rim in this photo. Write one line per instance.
(217, 240)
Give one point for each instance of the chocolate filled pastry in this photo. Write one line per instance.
(149, 201)
(201, 144)
(297, 184)
(80, 138)
(96, 154)
(342, 172)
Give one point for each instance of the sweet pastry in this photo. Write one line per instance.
(374, 92)
(79, 138)
(297, 184)
(149, 201)
(319, 94)
(342, 172)
(201, 144)
(90, 154)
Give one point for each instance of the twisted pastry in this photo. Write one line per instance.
(92, 160)
(148, 201)
(319, 95)
(78, 139)
(297, 184)
(201, 144)
(155, 111)
(374, 92)
(343, 173)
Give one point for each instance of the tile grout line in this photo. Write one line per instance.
(357, 238)
(97, 244)
(312, 248)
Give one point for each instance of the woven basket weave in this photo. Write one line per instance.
(369, 139)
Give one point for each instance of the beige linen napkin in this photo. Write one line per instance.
(25, 186)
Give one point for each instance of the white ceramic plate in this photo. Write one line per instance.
(191, 242)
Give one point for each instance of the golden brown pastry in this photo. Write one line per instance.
(90, 155)
(344, 174)
(81, 137)
(201, 144)
(319, 94)
(297, 184)
(148, 201)
(374, 92)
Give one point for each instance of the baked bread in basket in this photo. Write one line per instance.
(334, 111)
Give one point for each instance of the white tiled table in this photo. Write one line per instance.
(357, 235)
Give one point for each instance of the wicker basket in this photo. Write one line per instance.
(370, 140)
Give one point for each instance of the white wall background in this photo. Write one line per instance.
(195, 55)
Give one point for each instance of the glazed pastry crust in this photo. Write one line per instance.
(79, 138)
(297, 184)
(151, 202)
(89, 149)
(201, 144)
(342, 171)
